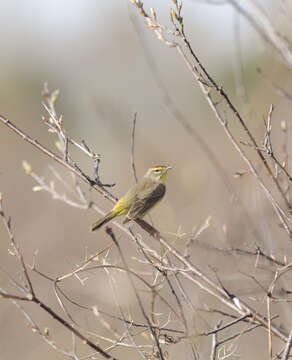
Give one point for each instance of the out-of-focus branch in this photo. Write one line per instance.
(262, 24)
(191, 273)
(153, 332)
(207, 84)
(133, 148)
(31, 296)
(189, 129)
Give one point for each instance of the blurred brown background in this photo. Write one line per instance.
(91, 52)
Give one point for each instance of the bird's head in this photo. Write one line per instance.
(158, 172)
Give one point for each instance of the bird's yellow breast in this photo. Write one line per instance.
(163, 178)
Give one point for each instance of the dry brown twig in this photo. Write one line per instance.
(207, 84)
(31, 295)
(190, 270)
(187, 270)
(169, 265)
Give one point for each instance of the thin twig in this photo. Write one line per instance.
(72, 167)
(112, 235)
(207, 83)
(287, 350)
(133, 148)
(213, 355)
(177, 114)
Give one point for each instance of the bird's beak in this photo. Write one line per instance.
(167, 168)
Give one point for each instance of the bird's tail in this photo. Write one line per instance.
(108, 217)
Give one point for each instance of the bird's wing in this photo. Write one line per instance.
(144, 202)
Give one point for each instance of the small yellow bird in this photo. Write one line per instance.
(140, 198)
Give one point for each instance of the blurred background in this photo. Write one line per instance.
(94, 53)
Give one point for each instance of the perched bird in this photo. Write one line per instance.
(140, 198)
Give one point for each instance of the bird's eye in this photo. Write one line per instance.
(157, 171)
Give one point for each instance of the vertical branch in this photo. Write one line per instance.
(133, 148)
(237, 64)
(213, 355)
(112, 235)
(191, 131)
(269, 327)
